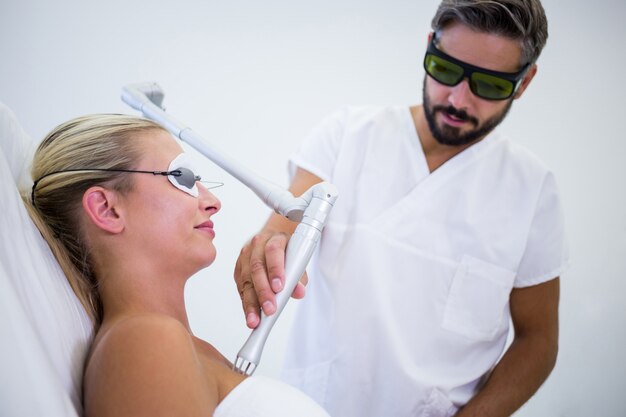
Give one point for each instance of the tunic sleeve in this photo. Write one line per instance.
(546, 255)
(318, 152)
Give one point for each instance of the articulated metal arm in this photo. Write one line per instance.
(310, 210)
(148, 98)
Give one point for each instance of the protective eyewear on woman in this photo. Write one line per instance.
(179, 174)
(487, 84)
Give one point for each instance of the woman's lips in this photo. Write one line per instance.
(206, 227)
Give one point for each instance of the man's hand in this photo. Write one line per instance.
(530, 358)
(260, 274)
(260, 268)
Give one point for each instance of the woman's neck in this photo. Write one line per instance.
(136, 290)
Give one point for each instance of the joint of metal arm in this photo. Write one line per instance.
(323, 197)
(136, 95)
(312, 207)
(285, 204)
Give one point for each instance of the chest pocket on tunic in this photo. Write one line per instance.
(478, 299)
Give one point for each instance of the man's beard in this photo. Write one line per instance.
(449, 135)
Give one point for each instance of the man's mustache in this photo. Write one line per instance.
(459, 114)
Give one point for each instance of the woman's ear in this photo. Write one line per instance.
(101, 206)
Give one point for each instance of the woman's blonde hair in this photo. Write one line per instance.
(94, 141)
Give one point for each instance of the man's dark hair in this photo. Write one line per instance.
(523, 20)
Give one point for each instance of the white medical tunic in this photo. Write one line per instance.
(258, 396)
(407, 303)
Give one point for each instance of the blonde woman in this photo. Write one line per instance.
(129, 222)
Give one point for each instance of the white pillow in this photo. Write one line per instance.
(44, 330)
(18, 148)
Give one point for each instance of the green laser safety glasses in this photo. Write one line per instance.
(487, 84)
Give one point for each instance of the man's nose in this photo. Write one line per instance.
(461, 95)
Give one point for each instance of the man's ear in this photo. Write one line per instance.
(101, 206)
(527, 79)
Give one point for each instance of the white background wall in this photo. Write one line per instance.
(256, 76)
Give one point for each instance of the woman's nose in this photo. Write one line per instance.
(207, 200)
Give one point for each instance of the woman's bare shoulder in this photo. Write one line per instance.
(144, 336)
(146, 365)
(142, 328)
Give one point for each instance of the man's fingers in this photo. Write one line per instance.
(275, 260)
(237, 271)
(259, 277)
(250, 304)
(304, 279)
(300, 290)
(260, 274)
(245, 287)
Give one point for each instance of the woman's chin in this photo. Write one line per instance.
(209, 258)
